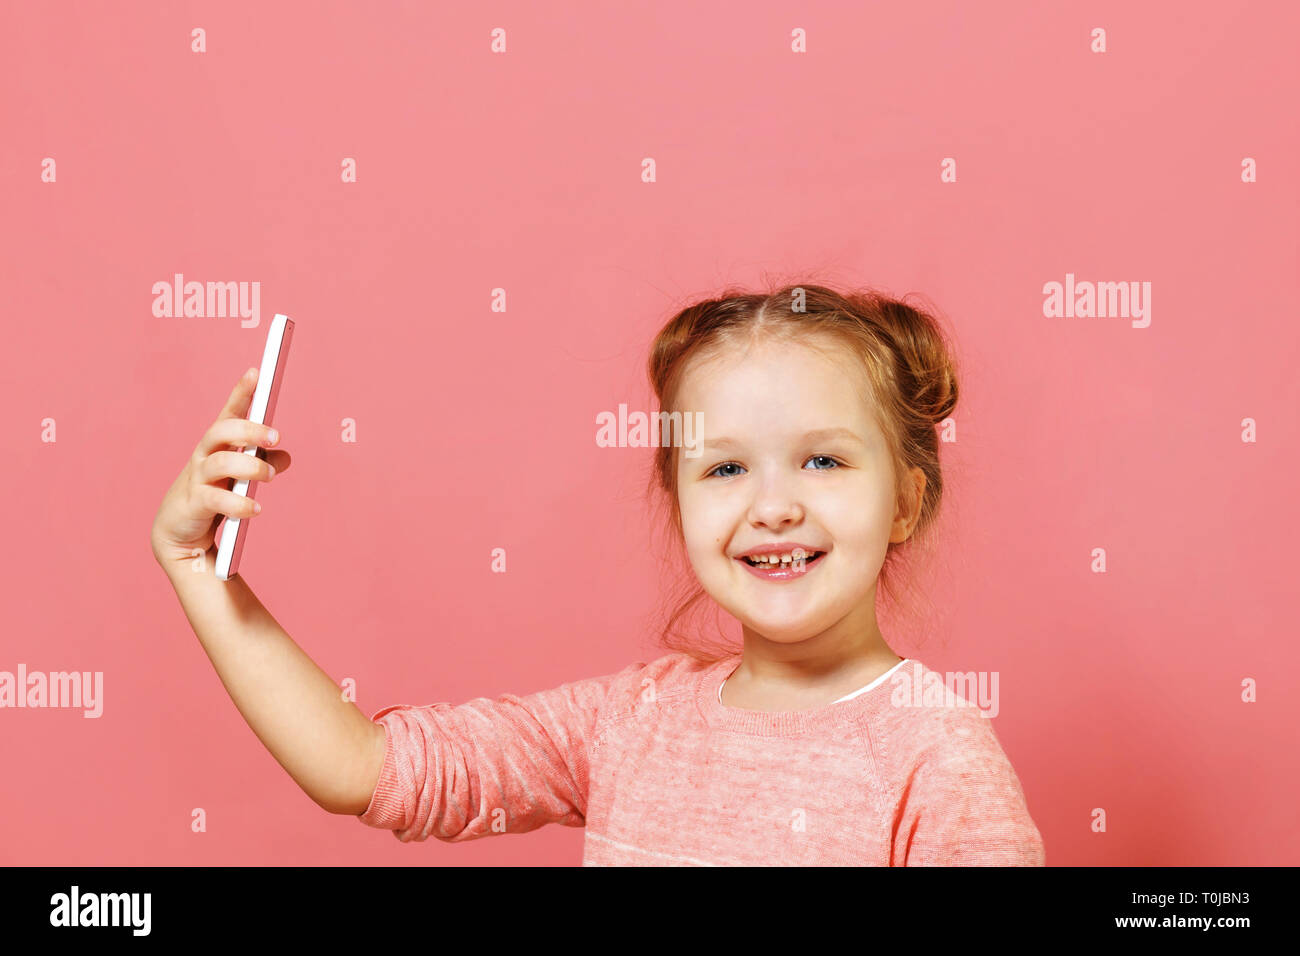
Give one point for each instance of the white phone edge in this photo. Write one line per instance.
(256, 413)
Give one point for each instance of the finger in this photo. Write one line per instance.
(236, 433)
(238, 465)
(222, 502)
(241, 397)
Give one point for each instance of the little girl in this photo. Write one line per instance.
(819, 458)
(811, 746)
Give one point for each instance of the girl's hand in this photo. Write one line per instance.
(201, 495)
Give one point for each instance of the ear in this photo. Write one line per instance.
(909, 511)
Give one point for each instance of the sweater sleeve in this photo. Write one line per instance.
(484, 767)
(964, 805)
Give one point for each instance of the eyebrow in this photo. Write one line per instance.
(818, 434)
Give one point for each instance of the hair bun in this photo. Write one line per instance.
(927, 375)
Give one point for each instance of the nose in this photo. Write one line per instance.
(776, 502)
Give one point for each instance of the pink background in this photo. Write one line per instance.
(476, 429)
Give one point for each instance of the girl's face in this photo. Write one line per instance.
(765, 478)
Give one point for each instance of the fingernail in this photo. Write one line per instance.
(257, 506)
(272, 436)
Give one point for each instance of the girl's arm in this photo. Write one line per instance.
(488, 766)
(324, 742)
(329, 747)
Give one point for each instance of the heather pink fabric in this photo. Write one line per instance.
(661, 773)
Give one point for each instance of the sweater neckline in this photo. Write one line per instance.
(765, 723)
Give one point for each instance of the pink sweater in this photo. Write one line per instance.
(660, 772)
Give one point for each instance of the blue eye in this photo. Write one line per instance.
(725, 464)
(828, 458)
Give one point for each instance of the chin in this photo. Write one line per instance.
(781, 629)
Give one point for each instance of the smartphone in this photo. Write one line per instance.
(269, 380)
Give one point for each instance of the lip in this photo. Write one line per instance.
(794, 571)
(779, 547)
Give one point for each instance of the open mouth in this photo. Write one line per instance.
(772, 563)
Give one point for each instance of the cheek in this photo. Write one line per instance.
(862, 517)
(695, 518)
(705, 563)
(701, 544)
(695, 534)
